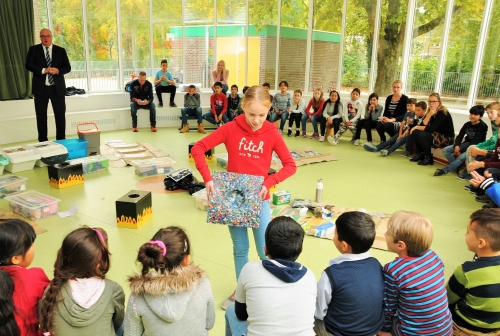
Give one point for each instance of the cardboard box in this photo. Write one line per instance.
(209, 155)
(133, 209)
(281, 197)
(64, 175)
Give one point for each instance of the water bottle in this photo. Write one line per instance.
(319, 190)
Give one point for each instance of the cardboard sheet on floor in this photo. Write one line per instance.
(4, 214)
(122, 154)
(155, 185)
(317, 226)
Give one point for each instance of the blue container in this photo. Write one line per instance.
(77, 148)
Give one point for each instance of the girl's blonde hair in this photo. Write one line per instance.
(255, 94)
(223, 69)
(398, 81)
(414, 229)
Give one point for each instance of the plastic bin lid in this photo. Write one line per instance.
(21, 154)
(47, 148)
(89, 159)
(10, 179)
(200, 193)
(94, 130)
(153, 162)
(32, 199)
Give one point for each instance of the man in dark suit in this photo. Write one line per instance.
(49, 63)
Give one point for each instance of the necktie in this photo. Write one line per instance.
(49, 64)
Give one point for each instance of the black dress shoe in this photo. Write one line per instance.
(417, 157)
(426, 162)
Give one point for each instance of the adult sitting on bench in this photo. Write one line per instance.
(192, 108)
(141, 97)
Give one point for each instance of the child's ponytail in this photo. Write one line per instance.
(84, 254)
(8, 325)
(165, 251)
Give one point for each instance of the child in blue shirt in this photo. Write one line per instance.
(164, 82)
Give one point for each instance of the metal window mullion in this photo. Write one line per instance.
(444, 46)
(278, 34)
(49, 15)
(151, 44)
(247, 35)
(481, 45)
(341, 46)
(376, 33)
(408, 42)
(214, 65)
(120, 47)
(183, 13)
(86, 45)
(309, 44)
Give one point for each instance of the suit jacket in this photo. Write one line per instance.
(35, 62)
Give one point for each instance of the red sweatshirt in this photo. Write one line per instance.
(218, 102)
(316, 111)
(249, 152)
(494, 160)
(29, 285)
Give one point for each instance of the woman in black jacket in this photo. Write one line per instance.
(435, 131)
(394, 111)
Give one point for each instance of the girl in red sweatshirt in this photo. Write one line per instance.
(250, 142)
(315, 115)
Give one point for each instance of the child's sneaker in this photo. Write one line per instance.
(304, 134)
(484, 199)
(352, 139)
(322, 138)
(160, 104)
(384, 152)
(297, 134)
(314, 136)
(289, 133)
(281, 131)
(368, 143)
(332, 141)
(153, 128)
(172, 104)
(356, 142)
(465, 177)
(369, 148)
(406, 154)
(135, 129)
(229, 301)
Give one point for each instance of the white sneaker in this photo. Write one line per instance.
(368, 143)
(321, 138)
(281, 131)
(332, 141)
(356, 143)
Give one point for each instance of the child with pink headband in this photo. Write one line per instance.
(170, 296)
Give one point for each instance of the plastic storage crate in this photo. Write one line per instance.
(11, 184)
(33, 205)
(77, 148)
(20, 158)
(92, 163)
(201, 199)
(162, 165)
(49, 151)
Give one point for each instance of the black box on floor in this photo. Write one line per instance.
(133, 209)
(209, 155)
(64, 175)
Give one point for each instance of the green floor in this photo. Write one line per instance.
(359, 180)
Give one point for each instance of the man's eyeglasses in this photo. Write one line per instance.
(433, 101)
(45, 36)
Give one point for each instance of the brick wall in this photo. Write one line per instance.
(291, 65)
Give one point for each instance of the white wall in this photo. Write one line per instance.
(110, 111)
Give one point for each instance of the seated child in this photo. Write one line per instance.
(350, 291)
(420, 112)
(474, 287)
(415, 274)
(297, 111)
(352, 113)
(489, 185)
(171, 296)
(233, 103)
(192, 108)
(218, 107)
(474, 131)
(373, 114)
(484, 149)
(398, 139)
(275, 296)
(79, 300)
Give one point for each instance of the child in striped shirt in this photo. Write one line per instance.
(473, 289)
(415, 301)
